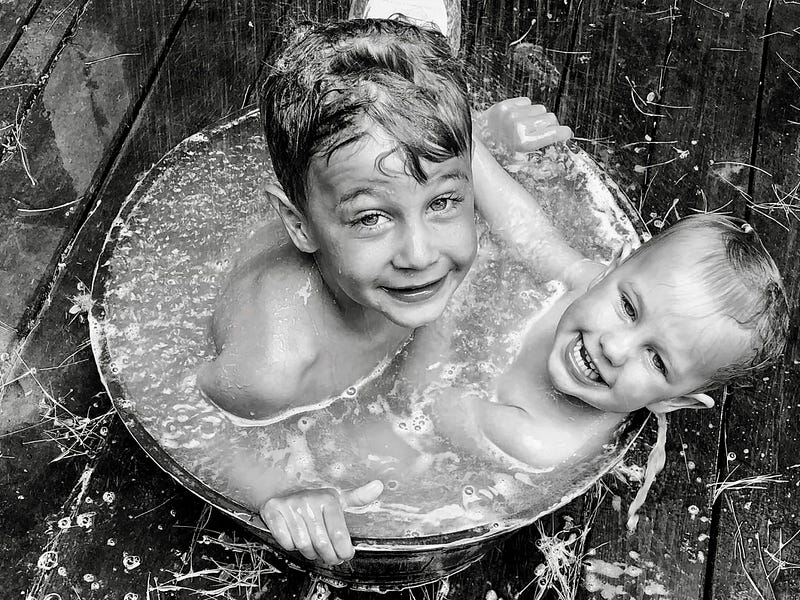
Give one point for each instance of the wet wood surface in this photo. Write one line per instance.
(690, 105)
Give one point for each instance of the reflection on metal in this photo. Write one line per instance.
(156, 281)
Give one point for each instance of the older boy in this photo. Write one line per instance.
(369, 128)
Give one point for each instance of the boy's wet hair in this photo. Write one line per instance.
(742, 277)
(336, 82)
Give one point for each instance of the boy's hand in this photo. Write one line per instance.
(312, 521)
(520, 126)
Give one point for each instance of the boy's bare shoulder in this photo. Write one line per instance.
(263, 328)
(273, 290)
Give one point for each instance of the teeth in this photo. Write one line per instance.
(584, 361)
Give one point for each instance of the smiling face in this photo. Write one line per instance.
(647, 332)
(383, 241)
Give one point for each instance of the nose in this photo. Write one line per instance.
(418, 249)
(616, 346)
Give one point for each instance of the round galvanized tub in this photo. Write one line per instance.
(165, 257)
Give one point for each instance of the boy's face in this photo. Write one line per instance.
(382, 240)
(646, 332)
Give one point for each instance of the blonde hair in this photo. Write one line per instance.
(740, 274)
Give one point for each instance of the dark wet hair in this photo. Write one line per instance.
(333, 83)
(742, 277)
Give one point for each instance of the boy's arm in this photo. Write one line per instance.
(509, 209)
(312, 521)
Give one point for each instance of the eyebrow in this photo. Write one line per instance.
(355, 193)
(455, 175)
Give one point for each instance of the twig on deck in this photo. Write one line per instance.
(635, 96)
(740, 551)
(89, 63)
(60, 14)
(777, 556)
(646, 141)
(17, 85)
(75, 435)
(524, 35)
(13, 142)
(711, 8)
(563, 553)
(783, 60)
(741, 164)
(757, 482)
(49, 208)
(242, 577)
(744, 194)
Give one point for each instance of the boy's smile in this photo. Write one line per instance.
(382, 240)
(649, 331)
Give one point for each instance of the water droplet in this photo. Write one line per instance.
(85, 520)
(48, 560)
(130, 561)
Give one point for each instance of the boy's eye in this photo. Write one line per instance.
(627, 307)
(659, 364)
(443, 203)
(369, 220)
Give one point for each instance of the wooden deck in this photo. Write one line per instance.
(689, 104)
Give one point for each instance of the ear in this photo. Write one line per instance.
(293, 219)
(696, 401)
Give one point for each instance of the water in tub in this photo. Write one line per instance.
(207, 210)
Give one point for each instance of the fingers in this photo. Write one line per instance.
(273, 518)
(338, 534)
(530, 138)
(312, 523)
(363, 495)
(524, 127)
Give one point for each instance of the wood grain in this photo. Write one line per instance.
(755, 549)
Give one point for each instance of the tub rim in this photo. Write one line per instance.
(631, 431)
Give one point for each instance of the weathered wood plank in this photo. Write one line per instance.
(13, 23)
(87, 86)
(617, 45)
(518, 48)
(658, 70)
(708, 108)
(756, 553)
(68, 151)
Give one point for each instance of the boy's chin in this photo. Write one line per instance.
(414, 321)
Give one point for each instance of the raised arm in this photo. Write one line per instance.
(508, 208)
